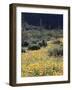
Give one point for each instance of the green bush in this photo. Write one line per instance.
(56, 51)
(57, 42)
(25, 43)
(34, 42)
(23, 50)
(40, 43)
(33, 47)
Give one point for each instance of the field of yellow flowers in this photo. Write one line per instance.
(38, 63)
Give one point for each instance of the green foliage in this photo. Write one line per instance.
(34, 42)
(57, 42)
(23, 50)
(25, 43)
(40, 43)
(38, 35)
(33, 47)
(56, 51)
(44, 43)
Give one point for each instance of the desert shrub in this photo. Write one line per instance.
(40, 43)
(57, 42)
(34, 42)
(33, 47)
(61, 44)
(49, 38)
(23, 50)
(44, 43)
(25, 44)
(56, 51)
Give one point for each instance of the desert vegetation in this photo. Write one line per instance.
(41, 51)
